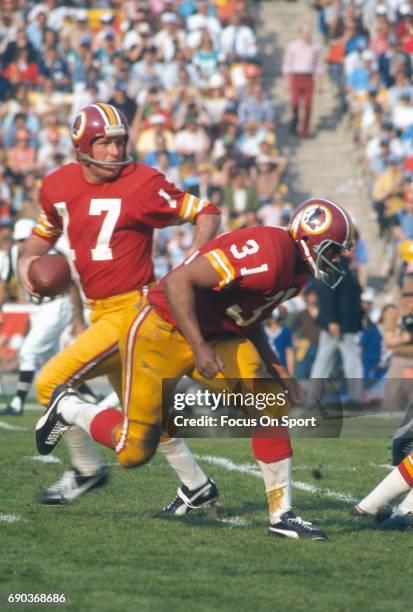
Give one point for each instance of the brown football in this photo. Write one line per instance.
(50, 275)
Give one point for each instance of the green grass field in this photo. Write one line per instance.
(113, 551)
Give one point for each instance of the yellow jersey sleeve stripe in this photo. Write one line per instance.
(44, 228)
(191, 206)
(221, 264)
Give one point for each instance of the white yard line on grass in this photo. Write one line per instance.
(9, 518)
(9, 427)
(45, 459)
(252, 470)
(385, 466)
(235, 521)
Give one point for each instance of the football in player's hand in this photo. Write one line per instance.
(50, 275)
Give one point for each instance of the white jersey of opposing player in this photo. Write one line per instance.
(48, 319)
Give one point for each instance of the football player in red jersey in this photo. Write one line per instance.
(108, 207)
(197, 320)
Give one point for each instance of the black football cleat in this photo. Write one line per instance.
(72, 485)
(51, 426)
(292, 526)
(400, 522)
(14, 408)
(187, 500)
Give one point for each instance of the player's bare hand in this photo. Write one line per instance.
(208, 362)
(23, 271)
(296, 392)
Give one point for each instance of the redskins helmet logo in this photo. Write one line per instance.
(79, 126)
(316, 219)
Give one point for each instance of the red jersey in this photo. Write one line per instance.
(109, 226)
(259, 268)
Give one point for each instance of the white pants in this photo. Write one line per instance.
(47, 322)
(350, 354)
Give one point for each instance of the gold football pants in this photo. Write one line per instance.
(94, 352)
(152, 350)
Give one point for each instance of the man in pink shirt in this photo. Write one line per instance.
(302, 62)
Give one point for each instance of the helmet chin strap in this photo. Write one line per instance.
(309, 258)
(86, 158)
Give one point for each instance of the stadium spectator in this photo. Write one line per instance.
(403, 229)
(302, 63)
(387, 193)
(250, 139)
(340, 318)
(305, 335)
(269, 173)
(271, 213)
(36, 30)
(200, 23)
(20, 47)
(205, 58)
(398, 338)
(121, 100)
(280, 338)
(170, 37)
(21, 158)
(192, 139)
(215, 101)
(238, 41)
(240, 197)
(257, 108)
(22, 70)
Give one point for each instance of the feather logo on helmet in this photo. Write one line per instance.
(316, 219)
(79, 126)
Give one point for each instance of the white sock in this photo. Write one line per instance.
(277, 481)
(110, 401)
(386, 491)
(407, 504)
(76, 411)
(83, 453)
(183, 463)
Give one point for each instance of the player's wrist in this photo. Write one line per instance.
(199, 344)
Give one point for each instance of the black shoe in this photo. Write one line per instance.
(400, 522)
(291, 526)
(51, 426)
(15, 408)
(72, 485)
(187, 500)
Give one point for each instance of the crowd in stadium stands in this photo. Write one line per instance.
(370, 46)
(187, 74)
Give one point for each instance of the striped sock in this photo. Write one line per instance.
(400, 480)
(406, 469)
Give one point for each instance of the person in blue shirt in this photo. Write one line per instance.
(280, 338)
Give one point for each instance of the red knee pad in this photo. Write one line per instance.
(271, 444)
